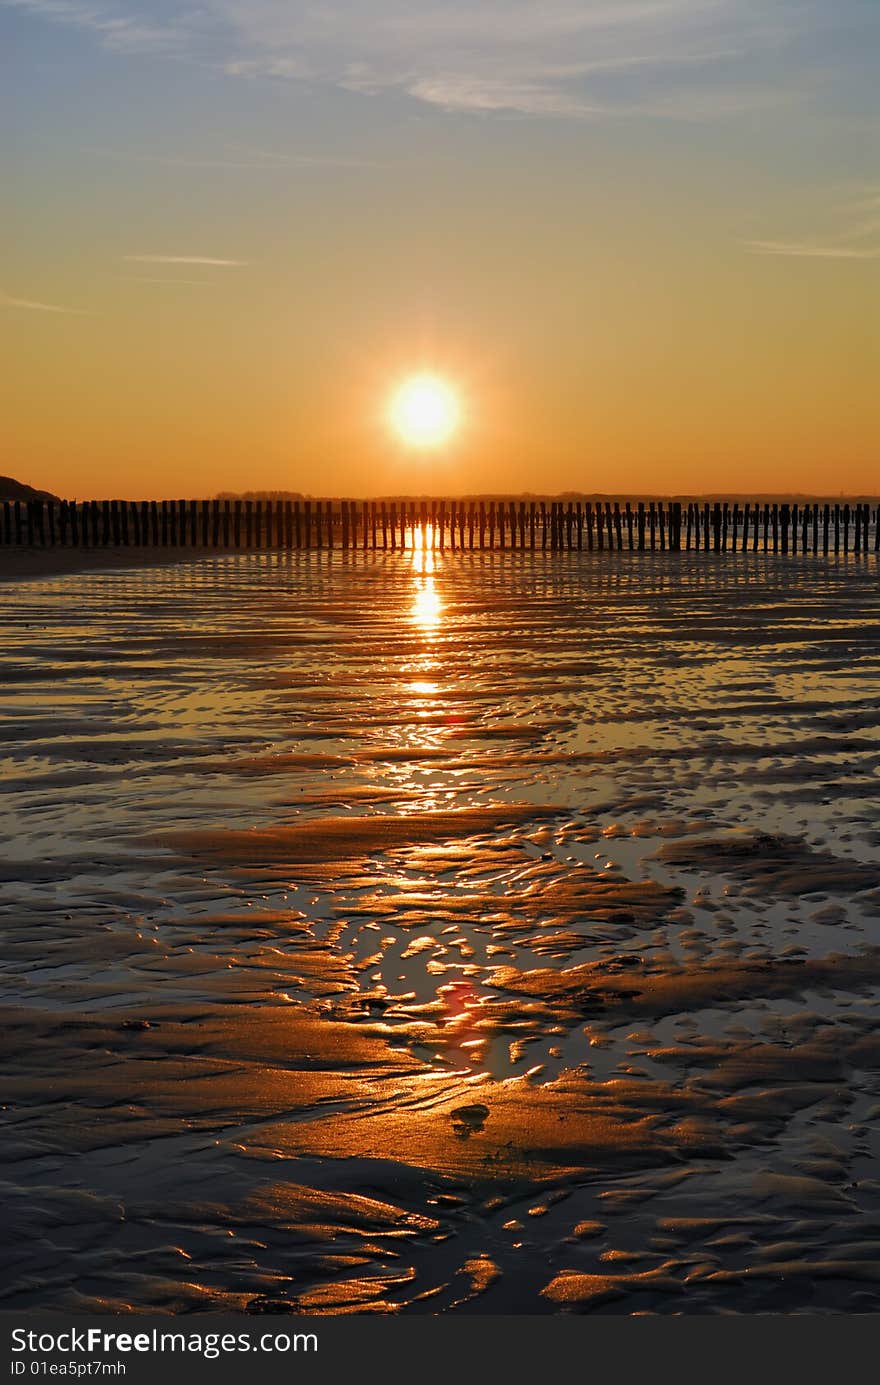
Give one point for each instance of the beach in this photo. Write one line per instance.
(410, 933)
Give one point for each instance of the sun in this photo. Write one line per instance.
(425, 411)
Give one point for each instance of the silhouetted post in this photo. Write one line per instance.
(18, 524)
(346, 534)
(716, 527)
(784, 517)
(640, 525)
(629, 526)
(794, 528)
(846, 528)
(877, 529)
(215, 522)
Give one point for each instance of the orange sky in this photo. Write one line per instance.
(659, 274)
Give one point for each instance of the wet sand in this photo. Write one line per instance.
(502, 937)
(24, 564)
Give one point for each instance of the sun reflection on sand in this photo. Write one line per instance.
(427, 608)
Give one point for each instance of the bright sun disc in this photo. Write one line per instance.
(424, 411)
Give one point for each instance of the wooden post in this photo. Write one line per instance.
(785, 518)
(629, 526)
(676, 527)
(745, 534)
(640, 523)
(846, 528)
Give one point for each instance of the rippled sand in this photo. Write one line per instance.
(502, 937)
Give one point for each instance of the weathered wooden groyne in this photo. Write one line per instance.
(450, 525)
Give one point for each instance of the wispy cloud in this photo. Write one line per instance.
(847, 229)
(809, 250)
(31, 305)
(235, 157)
(573, 59)
(183, 259)
(122, 30)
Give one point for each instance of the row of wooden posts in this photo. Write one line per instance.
(444, 524)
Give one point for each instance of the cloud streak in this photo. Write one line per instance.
(184, 259)
(808, 250)
(31, 305)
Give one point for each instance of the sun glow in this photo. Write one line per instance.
(425, 411)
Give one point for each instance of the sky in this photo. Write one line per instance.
(639, 238)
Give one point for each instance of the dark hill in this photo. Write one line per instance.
(10, 489)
